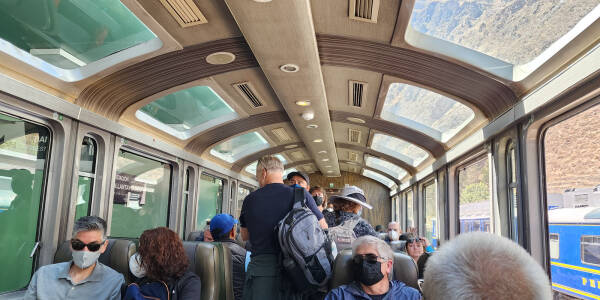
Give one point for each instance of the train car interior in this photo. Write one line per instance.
(453, 116)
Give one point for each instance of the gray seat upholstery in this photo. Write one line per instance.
(193, 235)
(398, 246)
(212, 263)
(405, 270)
(116, 256)
(382, 235)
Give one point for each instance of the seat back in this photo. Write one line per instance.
(212, 263)
(398, 246)
(116, 256)
(382, 235)
(405, 270)
(193, 235)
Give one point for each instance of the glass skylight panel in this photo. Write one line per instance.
(516, 32)
(398, 148)
(385, 167)
(431, 113)
(59, 37)
(188, 112)
(251, 168)
(378, 177)
(240, 146)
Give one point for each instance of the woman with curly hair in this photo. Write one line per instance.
(161, 261)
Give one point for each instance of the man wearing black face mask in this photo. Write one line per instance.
(372, 263)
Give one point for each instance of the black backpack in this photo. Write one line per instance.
(305, 246)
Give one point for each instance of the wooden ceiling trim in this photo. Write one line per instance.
(244, 161)
(111, 95)
(408, 134)
(489, 95)
(400, 163)
(203, 141)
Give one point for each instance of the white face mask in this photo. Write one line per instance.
(85, 259)
(135, 266)
(393, 235)
(330, 209)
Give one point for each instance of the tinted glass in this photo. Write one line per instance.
(84, 196)
(431, 218)
(398, 148)
(24, 149)
(242, 193)
(572, 175)
(379, 178)
(210, 199)
(71, 33)
(385, 167)
(240, 146)
(141, 195)
(87, 158)
(475, 204)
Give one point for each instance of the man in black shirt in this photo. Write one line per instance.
(261, 212)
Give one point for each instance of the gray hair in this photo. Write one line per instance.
(270, 163)
(484, 266)
(392, 223)
(90, 223)
(383, 249)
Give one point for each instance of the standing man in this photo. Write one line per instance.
(319, 195)
(298, 178)
(261, 212)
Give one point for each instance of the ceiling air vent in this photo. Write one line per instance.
(354, 135)
(364, 10)
(281, 134)
(247, 91)
(185, 12)
(357, 92)
(353, 156)
(297, 155)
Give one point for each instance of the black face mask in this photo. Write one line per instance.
(318, 200)
(367, 271)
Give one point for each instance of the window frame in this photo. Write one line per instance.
(581, 245)
(558, 242)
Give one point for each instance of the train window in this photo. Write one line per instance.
(67, 40)
(141, 195)
(384, 166)
(239, 146)
(379, 178)
(87, 177)
(429, 195)
(24, 149)
(431, 113)
(409, 210)
(554, 246)
(512, 184)
(251, 168)
(188, 112)
(398, 148)
(572, 175)
(241, 195)
(590, 250)
(210, 199)
(475, 204)
(505, 26)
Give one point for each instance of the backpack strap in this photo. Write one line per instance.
(299, 197)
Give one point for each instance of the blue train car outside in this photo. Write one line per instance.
(574, 235)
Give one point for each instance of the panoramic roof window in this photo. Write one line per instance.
(517, 32)
(251, 168)
(398, 148)
(68, 39)
(240, 146)
(378, 177)
(385, 167)
(188, 112)
(431, 113)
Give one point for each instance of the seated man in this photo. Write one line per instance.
(222, 229)
(372, 261)
(83, 277)
(393, 232)
(484, 266)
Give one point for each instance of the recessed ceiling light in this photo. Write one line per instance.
(291, 146)
(308, 115)
(303, 102)
(322, 151)
(220, 58)
(317, 140)
(262, 1)
(329, 171)
(289, 68)
(312, 126)
(327, 166)
(325, 159)
(356, 120)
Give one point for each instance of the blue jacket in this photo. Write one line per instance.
(398, 290)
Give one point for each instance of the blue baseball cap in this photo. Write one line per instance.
(221, 224)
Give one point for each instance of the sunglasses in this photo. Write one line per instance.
(78, 245)
(413, 240)
(370, 258)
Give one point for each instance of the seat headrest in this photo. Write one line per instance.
(116, 256)
(193, 235)
(211, 263)
(398, 246)
(382, 235)
(404, 269)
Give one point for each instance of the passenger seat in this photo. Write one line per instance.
(212, 263)
(116, 256)
(405, 270)
(398, 246)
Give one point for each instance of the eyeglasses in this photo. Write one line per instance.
(78, 245)
(413, 240)
(370, 258)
